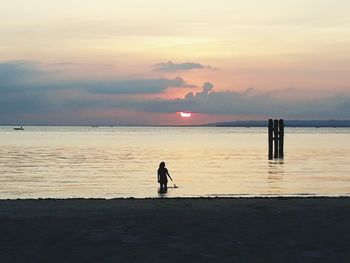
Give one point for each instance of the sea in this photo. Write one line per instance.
(122, 162)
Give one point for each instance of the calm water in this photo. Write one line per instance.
(113, 162)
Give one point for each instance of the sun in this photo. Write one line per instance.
(185, 114)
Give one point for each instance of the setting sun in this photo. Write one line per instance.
(185, 114)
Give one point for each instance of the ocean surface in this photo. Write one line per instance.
(110, 162)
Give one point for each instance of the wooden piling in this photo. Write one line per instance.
(275, 137)
(281, 138)
(270, 138)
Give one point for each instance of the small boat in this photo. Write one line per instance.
(19, 128)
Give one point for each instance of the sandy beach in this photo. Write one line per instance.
(176, 230)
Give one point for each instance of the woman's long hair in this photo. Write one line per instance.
(161, 165)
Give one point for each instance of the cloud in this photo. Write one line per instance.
(15, 71)
(29, 88)
(173, 67)
(133, 86)
(252, 103)
(28, 76)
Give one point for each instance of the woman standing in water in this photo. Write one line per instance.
(162, 177)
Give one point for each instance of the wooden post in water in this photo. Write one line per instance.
(276, 138)
(270, 132)
(281, 138)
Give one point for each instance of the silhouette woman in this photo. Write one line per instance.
(162, 177)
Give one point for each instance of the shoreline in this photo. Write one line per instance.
(239, 197)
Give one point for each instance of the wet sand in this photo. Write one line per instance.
(176, 230)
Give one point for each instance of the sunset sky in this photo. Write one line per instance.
(143, 61)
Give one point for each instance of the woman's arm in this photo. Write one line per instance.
(169, 175)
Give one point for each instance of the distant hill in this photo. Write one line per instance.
(288, 123)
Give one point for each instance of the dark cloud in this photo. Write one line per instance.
(13, 73)
(25, 88)
(133, 86)
(28, 76)
(251, 102)
(173, 67)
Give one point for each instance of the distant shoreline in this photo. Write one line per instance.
(238, 124)
(288, 123)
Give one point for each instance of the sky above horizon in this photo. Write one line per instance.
(143, 62)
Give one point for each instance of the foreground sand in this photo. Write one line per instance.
(176, 230)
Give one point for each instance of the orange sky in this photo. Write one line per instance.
(299, 46)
